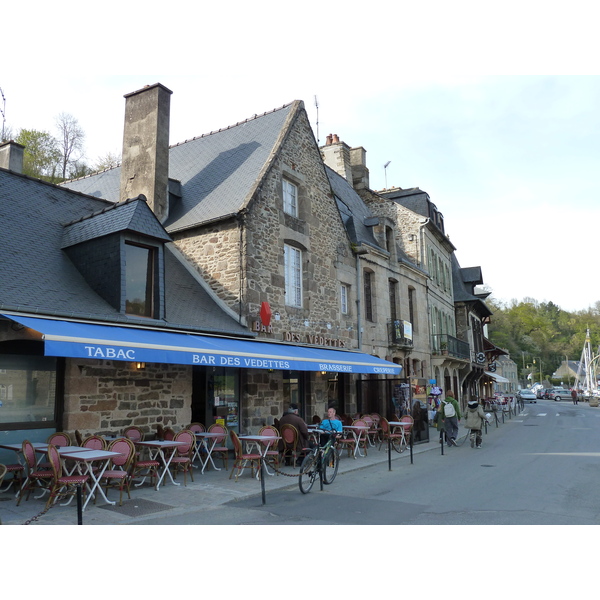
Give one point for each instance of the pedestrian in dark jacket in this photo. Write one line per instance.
(475, 418)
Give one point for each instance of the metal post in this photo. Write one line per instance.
(321, 469)
(389, 453)
(262, 480)
(79, 506)
(411, 448)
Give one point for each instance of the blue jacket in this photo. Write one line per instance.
(331, 425)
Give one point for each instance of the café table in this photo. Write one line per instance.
(262, 443)
(402, 426)
(85, 460)
(158, 448)
(357, 431)
(204, 438)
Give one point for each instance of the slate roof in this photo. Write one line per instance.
(355, 213)
(217, 171)
(36, 275)
(463, 281)
(126, 216)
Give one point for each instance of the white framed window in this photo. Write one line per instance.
(344, 299)
(293, 276)
(290, 198)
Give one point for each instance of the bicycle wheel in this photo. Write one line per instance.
(308, 472)
(399, 444)
(331, 464)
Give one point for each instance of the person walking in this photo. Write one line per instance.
(475, 418)
(451, 412)
(574, 396)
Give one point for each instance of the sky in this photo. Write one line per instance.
(493, 114)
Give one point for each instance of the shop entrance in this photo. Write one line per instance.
(215, 397)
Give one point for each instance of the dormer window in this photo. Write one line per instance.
(140, 264)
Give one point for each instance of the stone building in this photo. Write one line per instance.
(388, 286)
(250, 209)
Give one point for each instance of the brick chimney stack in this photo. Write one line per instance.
(336, 155)
(145, 162)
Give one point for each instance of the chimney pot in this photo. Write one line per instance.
(336, 139)
(329, 140)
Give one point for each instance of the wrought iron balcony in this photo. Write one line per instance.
(447, 344)
(397, 334)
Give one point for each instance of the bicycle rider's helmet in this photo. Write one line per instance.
(473, 403)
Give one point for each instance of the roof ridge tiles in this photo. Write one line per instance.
(254, 117)
(105, 209)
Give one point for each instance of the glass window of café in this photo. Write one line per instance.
(28, 391)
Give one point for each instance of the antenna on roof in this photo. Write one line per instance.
(3, 111)
(317, 107)
(385, 171)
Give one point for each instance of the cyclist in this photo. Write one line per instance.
(331, 423)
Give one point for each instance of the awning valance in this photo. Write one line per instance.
(89, 340)
(497, 378)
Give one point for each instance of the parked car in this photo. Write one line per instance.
(527, 396)
(558, 394)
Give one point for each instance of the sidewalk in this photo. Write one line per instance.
(210, 489)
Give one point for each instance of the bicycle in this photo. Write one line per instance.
(321, 461)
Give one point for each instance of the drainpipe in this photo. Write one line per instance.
(422, 225)
(358, 302)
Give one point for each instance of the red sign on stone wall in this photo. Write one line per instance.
(265, 314)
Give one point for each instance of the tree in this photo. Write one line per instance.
(41, 157)
(108, 161)
(70, 142)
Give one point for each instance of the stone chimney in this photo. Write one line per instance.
(145, 162)
(360, 173)
(336, 155)
(11, 156)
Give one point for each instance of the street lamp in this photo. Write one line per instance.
(538, 358)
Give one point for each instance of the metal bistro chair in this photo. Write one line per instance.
(290, 437)
(35, 476)
(182, 461)
(220, 444)
(62, 485)
(118, 475)
(242, 459)
(135, 434)
(16, 471)
(272, 455)
(58, 439)
(388, 434)
(94, 442)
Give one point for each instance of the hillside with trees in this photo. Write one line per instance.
(56, 158)
(532, 330)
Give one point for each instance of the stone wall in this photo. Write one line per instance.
(107, 396)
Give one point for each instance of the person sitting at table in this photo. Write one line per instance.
(291, 417)
(331, 422)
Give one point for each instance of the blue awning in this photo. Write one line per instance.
(87, 340)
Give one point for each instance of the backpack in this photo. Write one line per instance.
(449, 409)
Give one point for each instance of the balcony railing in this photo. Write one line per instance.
(446, 344)
(397, 334)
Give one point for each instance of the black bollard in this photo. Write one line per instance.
(389, 454)
(321, 466)
(79, 507)
(262, 480)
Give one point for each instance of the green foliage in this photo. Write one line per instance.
(41, 156)
(531, 330)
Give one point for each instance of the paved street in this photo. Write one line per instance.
(540, 467)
